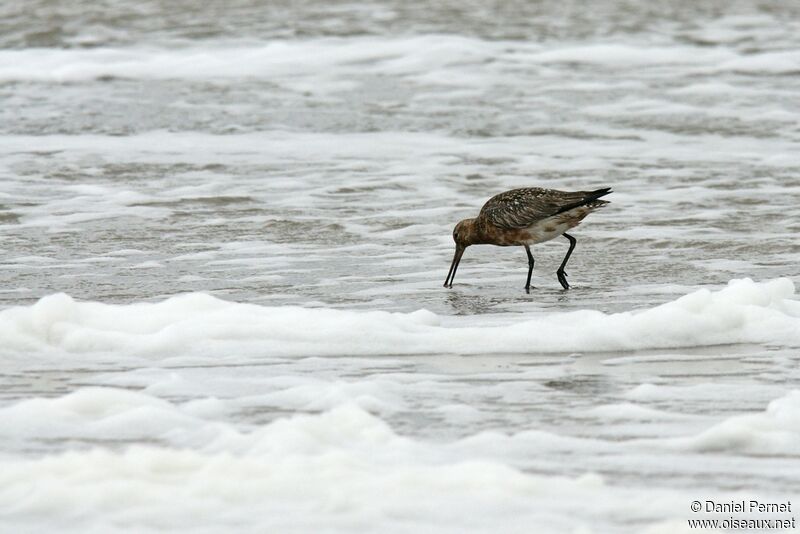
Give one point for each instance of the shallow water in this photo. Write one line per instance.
(309, 162)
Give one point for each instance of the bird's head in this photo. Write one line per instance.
(464, 233)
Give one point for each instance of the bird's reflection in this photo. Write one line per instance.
(476, 301)
(471, 304)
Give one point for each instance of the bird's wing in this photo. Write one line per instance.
(520, 208)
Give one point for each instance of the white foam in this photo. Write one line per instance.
(95, 413)
(338, 471)
(775, 431)
(624, 55)
(765, 63)
(715, 391)
(334, 64)
(629, 411)
(299, 64)
(743, 312)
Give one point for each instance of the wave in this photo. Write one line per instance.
(93, 415)
(322, 59)
(341, 467)
(330, 471)
(773, 432)
(742, 312)
(438, 59)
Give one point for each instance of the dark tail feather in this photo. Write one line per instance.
(597, 193)
(589, 197)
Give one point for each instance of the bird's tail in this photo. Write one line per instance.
(597, 193)
(589, 197)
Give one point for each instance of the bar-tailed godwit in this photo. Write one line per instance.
(524, 217)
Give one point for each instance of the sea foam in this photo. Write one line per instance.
(742, 312)
(337, 471)
(334, 59)
(775, 431)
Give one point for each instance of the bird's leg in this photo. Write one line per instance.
(562, 276)
(530, 269)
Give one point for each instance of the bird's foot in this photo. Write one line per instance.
(528, 290)
(562, 278)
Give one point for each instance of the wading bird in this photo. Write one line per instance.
(524, 217)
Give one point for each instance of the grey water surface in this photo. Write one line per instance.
(318, 154)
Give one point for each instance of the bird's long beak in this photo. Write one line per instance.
(453, 266)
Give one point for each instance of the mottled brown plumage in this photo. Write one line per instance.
(523, 217)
